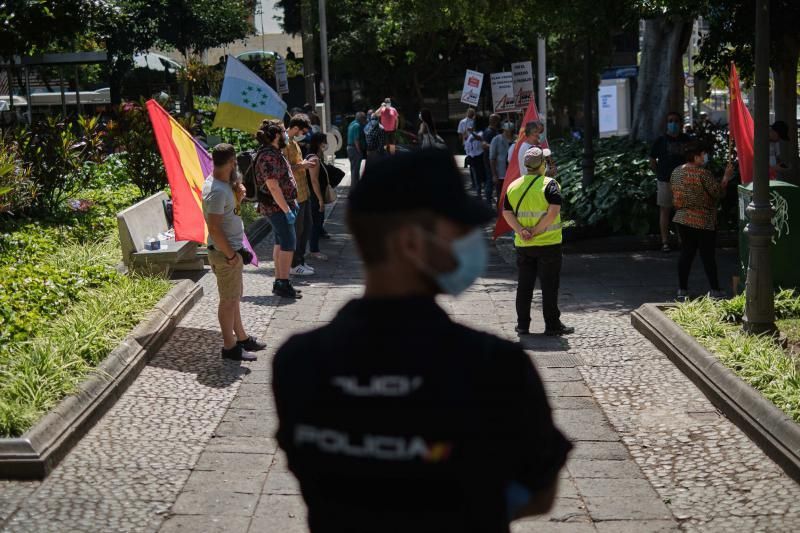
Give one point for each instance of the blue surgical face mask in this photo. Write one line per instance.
(472, 257)
(672, 128)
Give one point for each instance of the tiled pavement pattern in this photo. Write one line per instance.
(189, 447)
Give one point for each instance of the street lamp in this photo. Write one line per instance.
(323, 43)
(759, 312)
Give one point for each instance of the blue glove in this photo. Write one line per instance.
(291, 217)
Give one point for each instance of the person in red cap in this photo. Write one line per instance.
(393, 417)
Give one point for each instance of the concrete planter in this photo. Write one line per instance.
(769, 427)
(39, 450)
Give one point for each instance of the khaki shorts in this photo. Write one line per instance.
(229, 278)
(664, 196)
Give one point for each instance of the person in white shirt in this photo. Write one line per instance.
(466, 126)
(477, 169)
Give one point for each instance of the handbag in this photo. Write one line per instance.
(430, 140)
(329, 196)
(334, 173)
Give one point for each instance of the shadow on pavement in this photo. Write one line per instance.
(197, 351)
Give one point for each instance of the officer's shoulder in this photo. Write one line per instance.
(486, 347)
(298, 350)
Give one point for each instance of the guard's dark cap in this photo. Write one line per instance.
(423, 180)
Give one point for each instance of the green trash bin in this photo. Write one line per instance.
(785, 250)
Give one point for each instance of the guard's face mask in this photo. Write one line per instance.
(471, 256)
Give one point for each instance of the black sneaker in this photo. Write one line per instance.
(561, 329)
(252, 344)
(522, 331)
(238, 354)
(275, 287)
(285, 290)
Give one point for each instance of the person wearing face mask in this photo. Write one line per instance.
(533, 210)
(319, 184)
(277, 197)
(392, 416)
(534, 136)
(696, 194)
(299, 126)
(665, 155)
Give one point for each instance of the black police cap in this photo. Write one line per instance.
(422, 180)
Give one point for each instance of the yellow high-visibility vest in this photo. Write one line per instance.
(527, 199)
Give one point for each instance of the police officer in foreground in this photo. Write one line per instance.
(395, 418)
(533, 210)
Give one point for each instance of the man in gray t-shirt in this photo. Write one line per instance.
(219, 199)
(225, 237)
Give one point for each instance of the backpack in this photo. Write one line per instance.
(246, 161)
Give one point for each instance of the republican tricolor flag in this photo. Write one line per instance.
(187, 164)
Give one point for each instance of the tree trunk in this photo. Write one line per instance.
(660, 83)
(309, 51)
(119, 66)
(784, 70)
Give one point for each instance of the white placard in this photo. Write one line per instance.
(503, 92)
(607, 106)
(471, 93)
(281, 76)
(523, 83)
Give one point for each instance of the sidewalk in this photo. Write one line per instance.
(189, 446)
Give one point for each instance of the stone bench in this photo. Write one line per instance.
(146, 219)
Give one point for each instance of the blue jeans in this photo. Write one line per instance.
(283, 232)
(318, 218)
(355, 165)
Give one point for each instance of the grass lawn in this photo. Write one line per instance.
(63, 306)
(791, 328)
(759, 360)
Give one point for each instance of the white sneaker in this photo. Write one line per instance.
(302, 270)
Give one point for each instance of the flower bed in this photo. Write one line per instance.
(763, 362)
(63, 304)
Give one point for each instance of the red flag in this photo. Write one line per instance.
(513, 172)
(741, 126)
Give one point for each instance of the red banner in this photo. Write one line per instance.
(513, 172)
(741, 126)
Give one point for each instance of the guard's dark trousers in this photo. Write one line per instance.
(543, 262)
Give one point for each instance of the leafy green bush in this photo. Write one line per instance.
(239, 139)
(787, 305)
(132, 133)
(36, 375)
(621, 199)
(16, 189)
(109, 173)
(759, 360)
(56, 152)
(39, 286)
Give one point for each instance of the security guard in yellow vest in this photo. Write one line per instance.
(533, 210)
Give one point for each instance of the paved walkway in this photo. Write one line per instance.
(189, 446)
